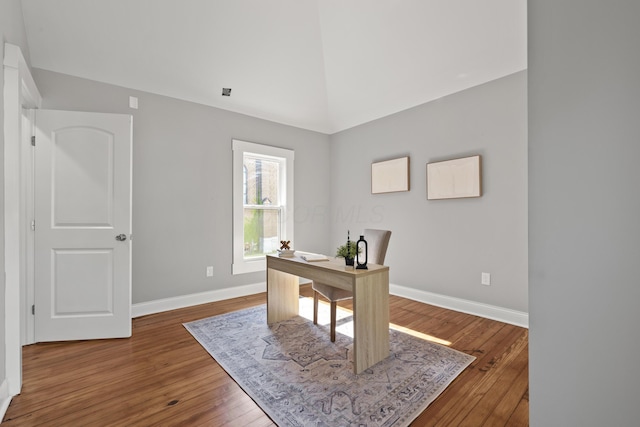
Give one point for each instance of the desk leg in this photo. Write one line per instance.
(370, 320)
(283, 292)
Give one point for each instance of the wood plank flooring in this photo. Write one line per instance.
(162, 377)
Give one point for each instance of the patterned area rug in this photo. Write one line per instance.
(300, 378)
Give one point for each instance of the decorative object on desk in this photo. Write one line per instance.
(311, 257)
(359, 244)
(453, 179)
(390, 176)
(298, 377)
(284, 244)
(285, 251)
(347, 251)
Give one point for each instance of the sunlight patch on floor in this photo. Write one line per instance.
(344, 317)
(344, 321)
(419, 334)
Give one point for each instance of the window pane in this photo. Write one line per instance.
(261, 231)
(262, 198)
(261, 180)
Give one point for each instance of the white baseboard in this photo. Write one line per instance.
(166, 304)
(506, 315)
(5, 399)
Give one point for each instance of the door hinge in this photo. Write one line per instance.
(33, 140)
(33, 225)
(33, 309)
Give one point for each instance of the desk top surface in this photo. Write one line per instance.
(335, 265)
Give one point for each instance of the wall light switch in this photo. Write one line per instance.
(133, 102)
(210, 271)
(485, 279)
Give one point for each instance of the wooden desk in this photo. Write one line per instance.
(370, 300)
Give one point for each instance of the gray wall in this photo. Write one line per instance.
(11, 31)
(182, 189)
(443, 246)
(182, 183)
(584, 212)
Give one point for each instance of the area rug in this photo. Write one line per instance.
(299, 377)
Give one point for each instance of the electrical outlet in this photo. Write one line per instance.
(485, 279)
(210, 271)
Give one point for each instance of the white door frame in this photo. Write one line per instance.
(27, 236)
(20, 92)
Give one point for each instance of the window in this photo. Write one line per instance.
(262, 203)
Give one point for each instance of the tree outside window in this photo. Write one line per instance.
(262, 209)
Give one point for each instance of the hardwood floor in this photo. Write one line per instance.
(162, 377)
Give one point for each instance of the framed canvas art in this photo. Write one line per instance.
(452, 179)
(390, 176)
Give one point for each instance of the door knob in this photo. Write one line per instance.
(121, 237)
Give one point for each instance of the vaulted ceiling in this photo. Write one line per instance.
(323, 65)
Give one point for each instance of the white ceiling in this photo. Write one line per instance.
(324, 65)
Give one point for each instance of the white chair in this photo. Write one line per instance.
(377, 243)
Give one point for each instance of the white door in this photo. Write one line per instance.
(83, 225)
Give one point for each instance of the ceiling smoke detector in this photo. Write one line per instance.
(226, 91)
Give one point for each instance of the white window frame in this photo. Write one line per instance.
(240, 265)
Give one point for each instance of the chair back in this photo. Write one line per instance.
(377, 243)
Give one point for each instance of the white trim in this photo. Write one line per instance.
(19, 91)
(14, 59)
(27, 285)
(506, 315)
(166, 304)
(5, 399)
(492, 312)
